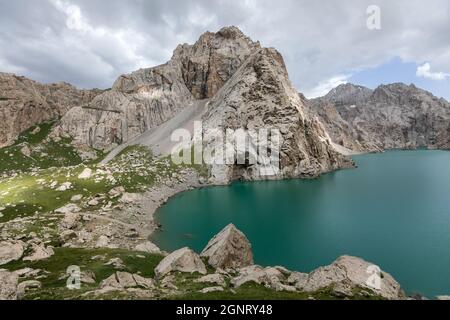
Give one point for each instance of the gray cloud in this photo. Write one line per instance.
(90, 43)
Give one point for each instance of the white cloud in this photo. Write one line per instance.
(326, 86)
(424, 71)
(90, 43)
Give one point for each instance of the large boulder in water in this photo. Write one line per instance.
(183, 260)
(230, 249)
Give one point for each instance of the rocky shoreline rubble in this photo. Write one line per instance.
(225, 265)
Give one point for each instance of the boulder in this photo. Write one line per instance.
(211, 289)
(40, 252)
(76, 198)
(129, 198)
(230, 249)
(10, 251)
(70, 220)
(86, 174)
(8, 285)
(64, 186)
(212, 278)
(148, 247)
(271, 277)
(348, 273)
(69, 208)
(124, 280)
(183, 260)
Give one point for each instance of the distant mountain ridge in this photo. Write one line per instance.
(393, 116)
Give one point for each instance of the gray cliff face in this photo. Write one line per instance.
(260, 95)
(147, 98)
(24, 103)
(395, 116)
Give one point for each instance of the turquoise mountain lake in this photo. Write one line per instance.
(393, 210)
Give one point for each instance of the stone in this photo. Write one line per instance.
(116, 192)
(10, 251)
(67, 235)
(85, 174)
(148, 247)
(64, 186)
(183, 260)
(211, 289)
(348, 273)
(28, 285)
(116, 263)
(69, 208)
(94, 202)
(88, 277)
(102, 242)
(269, 276)
(129, 198)
(124, 280)
(26, 151)
(212, 278)
(8, 285)
(40, 252)
(229, 249)
(146, 283)
(76, 198)
(70, 220)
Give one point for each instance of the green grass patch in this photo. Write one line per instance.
(44, 153)
(54, 287)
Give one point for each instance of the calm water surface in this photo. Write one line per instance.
(394, 210)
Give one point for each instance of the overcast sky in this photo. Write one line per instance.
(89, 43)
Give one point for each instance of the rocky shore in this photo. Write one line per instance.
(225, 266)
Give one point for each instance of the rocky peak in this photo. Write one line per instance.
(348, 94)
(213, 59)
(400, 93)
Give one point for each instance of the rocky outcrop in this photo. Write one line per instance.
(148, 247)
(39, 252)
(349, 273)
(260, 96)
(395, 116)
(208, 64)
(8, 285)
(124, 280)
(24, 103)
(183, 260)
(147, 98)
(229, 249)
(10, 251)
